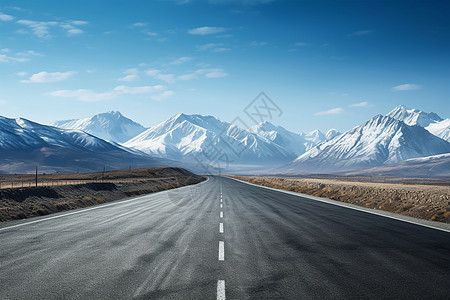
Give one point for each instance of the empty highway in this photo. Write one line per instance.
(222, 239)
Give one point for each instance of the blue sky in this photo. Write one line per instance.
(326, 64)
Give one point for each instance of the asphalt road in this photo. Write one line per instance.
(271, 245)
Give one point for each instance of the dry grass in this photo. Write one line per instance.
(20, 203)
(429, 202)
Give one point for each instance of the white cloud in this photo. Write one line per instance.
(361, 32)
(4, 17)
(406, 87)
(139, 24)
(83, 95)
(209, 73)
(138, 89)
(163, 95)
(22, 74)
(6, 59)
(42, 29)
(152, 72)
(215, 73)
(166, 77)
(39, 29)
(3, 102)
(79, 23)
(214, 47)
(45, 77)
(333, 111)
(131, 77)
(91, 96)
(205, 30)
(5, 50)
(258, 44)
(74, 31)
(181, 60)
(132, 71)
(360, 104)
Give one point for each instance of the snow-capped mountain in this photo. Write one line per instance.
(380, 141)
(207, 140)
(25, 144)
(440, 129)
(430, 121)
(413, 116)
(289, 140)
(111, 126)
(331, 134)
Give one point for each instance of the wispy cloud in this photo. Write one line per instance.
(8, 59)
(360, 104)
(205, 30)
(181, 60)
(208, 73)
(213, 47)
(131, 77)
(139, 24)
(45, 77)
(333, 111)
(361, 33)
(4, 17)
(258, 44)
(42, 29)
(123, 89)
(87, 95)
(406, 87)
(132, 71)
(83, 95)
(163, 95)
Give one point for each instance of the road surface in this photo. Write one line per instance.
(222, 238)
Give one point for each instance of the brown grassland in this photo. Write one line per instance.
(71, 191)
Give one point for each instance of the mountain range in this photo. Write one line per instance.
(25, 144)
(397, 138)
(111, 126)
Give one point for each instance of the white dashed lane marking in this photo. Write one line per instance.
(221, 251)
(221, 290)
(221, 227)
(221, 214)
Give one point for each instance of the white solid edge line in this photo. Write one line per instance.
(221, 290)
(334, 202)
(221, 251)
(221, 227)
(82, 210)
(221, 214)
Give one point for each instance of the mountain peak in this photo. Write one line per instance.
(414, 116)
(111, 125)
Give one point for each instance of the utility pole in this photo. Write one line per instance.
(36, 177)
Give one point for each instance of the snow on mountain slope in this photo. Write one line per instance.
(331, 134)
(25, 144)
(440, 129)
(413, 116)
(430, 121)
(380, 141)
(111, 126)
(290, 141)
(207, 140)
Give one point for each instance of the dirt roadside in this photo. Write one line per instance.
(21, 203)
